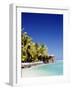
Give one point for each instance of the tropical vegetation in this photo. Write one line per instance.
(32, 51)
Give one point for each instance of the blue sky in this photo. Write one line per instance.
(46, 29)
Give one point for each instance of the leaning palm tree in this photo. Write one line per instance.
(31, 51)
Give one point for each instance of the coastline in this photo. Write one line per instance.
(28, 65)
(28, 71)
(43, 70)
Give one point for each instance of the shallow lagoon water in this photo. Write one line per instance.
(52, 69)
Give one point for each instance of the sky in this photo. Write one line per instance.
(46, 29)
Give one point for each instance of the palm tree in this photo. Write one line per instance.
(43, 50)
(31, 51)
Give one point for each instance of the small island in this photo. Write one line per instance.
(33, 53)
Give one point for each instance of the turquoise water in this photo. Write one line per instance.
(49, 69)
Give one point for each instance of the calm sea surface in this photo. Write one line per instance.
(50, 69)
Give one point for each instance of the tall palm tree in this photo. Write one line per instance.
(31, 51)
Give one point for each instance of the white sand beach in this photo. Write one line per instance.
(51, 69)
(29, 72)
(33, 71)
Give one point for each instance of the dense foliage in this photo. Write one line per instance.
(32, 51)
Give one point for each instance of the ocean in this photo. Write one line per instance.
(52, 69)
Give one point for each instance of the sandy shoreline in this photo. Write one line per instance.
(29, 72)
(49, 69)
(32, 71)
(28, 65)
